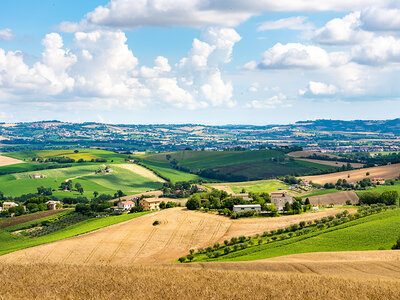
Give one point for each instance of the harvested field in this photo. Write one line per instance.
(177, 282)
(387, 172)
(6, 161)
(141, 171)
(331, 163)
(351, 264)
(26, 218)
(137, 241)
(306, 153)
(338, 198)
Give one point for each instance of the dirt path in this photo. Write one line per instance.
(6, 161)
(138, 241)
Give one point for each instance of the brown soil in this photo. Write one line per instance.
(5, 161)
(26, 218)
(338, 198)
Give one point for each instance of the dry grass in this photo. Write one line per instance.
(306, 153)
(138, 241)
(6, 161)
(387, 172)
(47, 281)
(338, 198)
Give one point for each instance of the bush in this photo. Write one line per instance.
(182, 259)
(227, 250)
(260, 241)
(397, 245)
(155, 223)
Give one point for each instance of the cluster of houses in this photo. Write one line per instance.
(277, 199)
(51, 205)
(378, 180)
(145, 203)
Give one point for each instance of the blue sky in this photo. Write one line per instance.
(210, 62)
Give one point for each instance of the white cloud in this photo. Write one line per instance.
(293, 23)
(100, 68)
(342, 31)
(6, 34)
(270, 103)
(380, 19)
(377, 51)
(254, 87)
(319, 89)
(127, 14)
(294, 55)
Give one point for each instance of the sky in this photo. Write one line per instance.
(208, 62)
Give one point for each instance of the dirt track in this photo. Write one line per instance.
(137, 241)
(387, 172)
(5, 161)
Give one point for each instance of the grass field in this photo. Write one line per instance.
(178, 282)
(11, 242)
(252, 186)
(369, 233)
(121, 178)
(248, 165)
(85, 154)
(382, 188)
(166, 171)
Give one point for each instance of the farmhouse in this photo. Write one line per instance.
(126, 205)
(245, 207)
(52, 205)
(8, 205)
(377, 180)
(245, 196)
(280, 199)
(37, 176)
(150, 204)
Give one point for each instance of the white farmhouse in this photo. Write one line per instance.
(246, 207)
(280, 199)
(126, 205)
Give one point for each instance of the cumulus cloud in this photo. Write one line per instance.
(199, 13)
(6, 34)
(380, 19)
(294, 55)
(319, 89)
(293, 23)
(378, 51)
(342, 31)
(269, 103)
(101, 68)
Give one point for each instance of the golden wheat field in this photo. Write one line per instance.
(59, 281)
(6, 161)
(387, 172)
(338, 198)
(137, 241)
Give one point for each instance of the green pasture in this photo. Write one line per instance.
(258, 186)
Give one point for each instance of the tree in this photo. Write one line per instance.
(389, 197)
(79, 187)
(397, 245)
(194, 202)
(191, 251)
(76, 151)
(190, 257)
(307, 202)
(120, 193)
(95, 194)
(182, 259)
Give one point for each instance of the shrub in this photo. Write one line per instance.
(235, 247)
(348, 202)
(290, 234)
(273, 232)
(265, 234)
(182, 259)
(274, 237)
(200, 250)
(242, 238)
(280, 231)
(397, 245)
(260, 241)
(191, 251)
(320, 226)
(309, 222)
(217, 253)
(155, 223)
(226, 242)
(283, 236)
(227, 250)
(209, 254)
(330, 218)
(302, 224)
(234, 240)
(216, 246)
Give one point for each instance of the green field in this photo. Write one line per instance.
(120, 179)
(11, 242)
(378, 231)
(85, 154)
(245, 165)
(382, 188)
(167, 172)
(258, 186)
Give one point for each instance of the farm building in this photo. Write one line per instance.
(246, 207)
(52, 205)
(378, 180)
(38, 176)
(8, 205)
(245, 196)
(150, 204)
(280, 199)
(126, 205)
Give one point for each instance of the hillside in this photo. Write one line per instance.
(233, 165)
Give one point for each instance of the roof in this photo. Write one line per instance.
(247, 205)
(283, 194)
(128, 202)
(9, 203)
